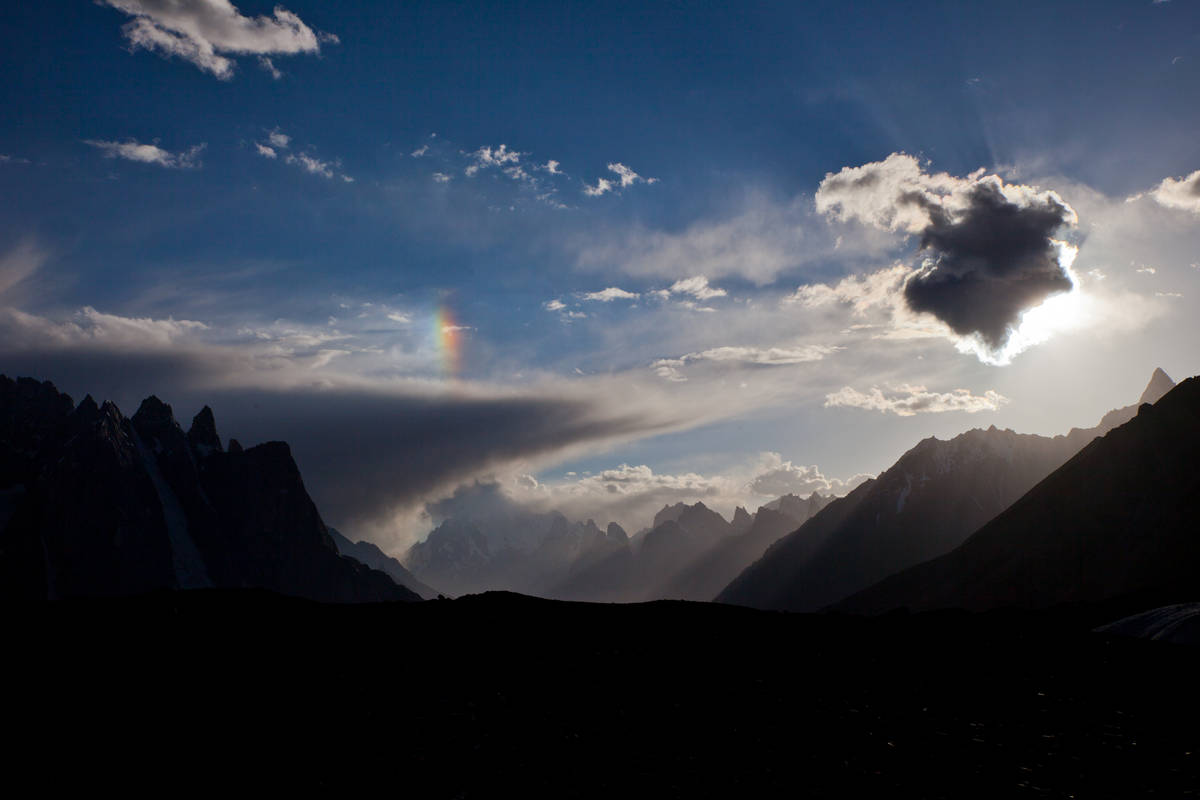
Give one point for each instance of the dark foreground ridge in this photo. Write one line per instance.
(503, 695)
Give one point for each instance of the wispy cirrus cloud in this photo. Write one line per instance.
(211, 34)
(133, 150)
(278, 141)
(742, 356)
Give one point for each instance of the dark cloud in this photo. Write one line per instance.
(990, 249)
(366, 454)
(990, 262)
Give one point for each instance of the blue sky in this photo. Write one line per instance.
(269, 209)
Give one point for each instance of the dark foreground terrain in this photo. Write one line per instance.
(501, 694)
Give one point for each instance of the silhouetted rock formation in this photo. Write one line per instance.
(370, 555)
(1118, 519)
(929, 502)
(94, 504)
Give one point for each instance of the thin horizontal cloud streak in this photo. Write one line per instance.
(907, 401)
(133, 150)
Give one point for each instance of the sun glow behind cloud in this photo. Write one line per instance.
(1058, 313)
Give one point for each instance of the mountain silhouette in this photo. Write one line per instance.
(929, 502)
(369, 554)
(1118, 519)
(95, 504)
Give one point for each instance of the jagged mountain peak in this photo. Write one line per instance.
(742, 519)
(616, 532)
(203, 433)
(153, 410)
(1160, 383)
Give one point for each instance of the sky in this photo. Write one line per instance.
(601, 255)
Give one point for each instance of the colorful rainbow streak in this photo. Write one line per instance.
(446, 333)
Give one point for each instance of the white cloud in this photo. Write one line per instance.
(1178, 193)
(441, 177)
(905, 401)
(265, 151)
(550, 167)
(420, 151)
(554, 305)
(317, 166)
(133, 150)
(602, 185)
(486, 157)
(777, 477)
(400, 317)
(610, 294)
(211, 33)
(278, 139)
(313, 165)
(896, 194)
(626, 177)
(697, 287)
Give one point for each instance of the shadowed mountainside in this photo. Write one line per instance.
(929, 502)
(95, 504)
(371, 556)
(1120, 518)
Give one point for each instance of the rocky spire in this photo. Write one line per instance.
(1160, 384)
(203, 434)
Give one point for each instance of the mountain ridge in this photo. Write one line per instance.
(936, 494)
(1117, 518)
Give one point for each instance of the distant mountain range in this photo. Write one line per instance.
(96, 504)
(688, 552)
(1118, 519)
(928, 503)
